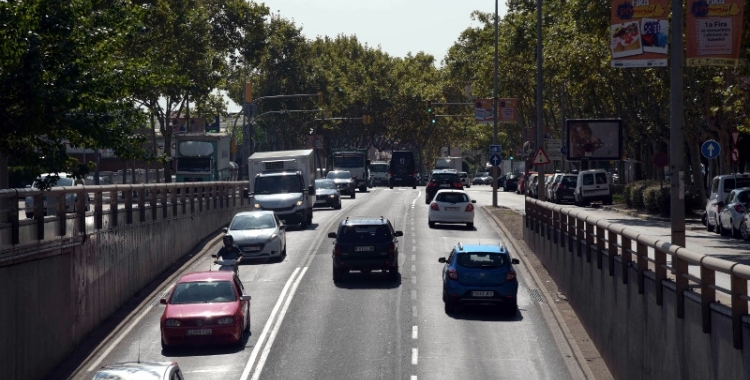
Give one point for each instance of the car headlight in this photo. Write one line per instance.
(172, 323)
(270, 238)
(256, 205)
(299, 203)
(226, 321)
(332, 196)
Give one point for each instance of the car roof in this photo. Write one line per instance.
(449, 171)
(486, 248)
(359, 220)
(254, 212)
(451, 191)
(219, 275)
(134, 370)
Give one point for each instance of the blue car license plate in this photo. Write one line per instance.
(482, 293)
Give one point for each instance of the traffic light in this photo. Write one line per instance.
(429, 107)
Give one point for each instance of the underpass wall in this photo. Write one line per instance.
(637, 338)
(56, 297)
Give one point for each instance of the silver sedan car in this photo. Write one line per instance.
(731, 218)
(258, 234)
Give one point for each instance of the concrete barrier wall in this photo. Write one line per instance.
(637, 338)
(51, 300)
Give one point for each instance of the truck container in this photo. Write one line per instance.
(284, 182)
(449, 163)
(355, 161)
(203, 157)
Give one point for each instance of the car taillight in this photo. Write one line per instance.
(560, 187)
(392, 249)
(510, 276)
(336, 250)
(452, 274)
(458, 185)
(718, 208)
(431, 184)
(434, 207)
(739, 208)
(469, 208)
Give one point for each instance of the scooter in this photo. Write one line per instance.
(228, 265)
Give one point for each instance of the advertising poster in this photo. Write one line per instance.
(639, 33)
(484, 112)
(594, 139)
(714, 32)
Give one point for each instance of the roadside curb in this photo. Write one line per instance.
(570, 339)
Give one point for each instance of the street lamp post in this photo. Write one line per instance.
(494, 121)
(539, 108)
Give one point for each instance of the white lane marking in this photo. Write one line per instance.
(414, 312)
(413, 377)
(97, 363)
(414, 356)
(414, 249)
(267, 327)
(414, 332)
(276, 327)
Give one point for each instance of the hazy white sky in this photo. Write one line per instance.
(397, 26)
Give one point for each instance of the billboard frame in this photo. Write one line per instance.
(585, 148)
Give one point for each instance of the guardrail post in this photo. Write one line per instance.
(627, 257)
(642, 252)
(660, 272)
(98, 210)
(708, 295)
(154, 203)
(589, 239)
(556, 226)
(129, 205)
(739, 304)
(580, 230)
(600, 235)
(81, 202)
(571, 231)
(183, 197)
(141, 204)
(165, 194)
(612, 240)
(201, 197)
(13, 219)
(61, 220)
(681, 281)
(113, 208)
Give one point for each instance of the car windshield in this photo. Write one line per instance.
(364, 234)
(452, 197)
(278, 184)
(324, 184)
(252, 222)
(481, 260)
(379, 168)
(339, 175)
(484, 174)
(203, 292)
(444, 177)
(349, 161)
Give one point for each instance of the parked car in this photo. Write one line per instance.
(327, 194)
(451, 206)
(259, 234)
(365, 244)
(551, 183)
(50, 201)
(721, 186)
(442, 179)
(531, 185)
(344, 181)
(146, 370)
(205, 307)
(732, 212)
(592, 186)
(483, 178)
(522, 182)
(479, 274)
(563, 189)
(510, 182)
(465, 180)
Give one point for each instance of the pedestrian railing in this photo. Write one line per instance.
(576, 229)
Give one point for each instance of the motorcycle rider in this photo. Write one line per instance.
(229, 251)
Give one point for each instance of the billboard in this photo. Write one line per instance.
(639, 33)
(593, 139)
(714, 32)
(484, 110)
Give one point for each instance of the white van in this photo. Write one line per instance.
(721, 186)
(592, 186)
(50, 202)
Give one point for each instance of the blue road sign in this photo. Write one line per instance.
(710, 149)
(495, 159)
(496, 149)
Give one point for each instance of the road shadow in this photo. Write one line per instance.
(486, 313)
(372, 280)
(449, 226)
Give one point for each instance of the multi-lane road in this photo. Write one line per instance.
(306, 327)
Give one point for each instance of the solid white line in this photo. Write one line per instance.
(414, 356)
(97, 363)
(414, 332)
(413, 377)
(267, 327)
(276, 327)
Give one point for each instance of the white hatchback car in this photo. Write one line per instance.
(451, 206)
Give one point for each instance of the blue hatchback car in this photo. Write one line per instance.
(479, 274)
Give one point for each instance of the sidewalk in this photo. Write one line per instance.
(692, 221)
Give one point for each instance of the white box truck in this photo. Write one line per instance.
(449, 163)
(284, 182)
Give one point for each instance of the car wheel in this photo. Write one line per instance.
(450, 307)
(470, 226)
(354, 194)
(247, 323)
(709, 227)
(431, 224)
(338, 275)
(719, 228)
(744, 232)
(164, 345)
(338, 206)
(393, 273)
(511, 307)
(704, 219)
(735, 231)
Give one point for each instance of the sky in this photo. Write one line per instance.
(396, 26)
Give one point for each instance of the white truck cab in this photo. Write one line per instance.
(721, 186)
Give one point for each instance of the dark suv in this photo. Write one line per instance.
(442, 179)
(365, 244)
(403, 170)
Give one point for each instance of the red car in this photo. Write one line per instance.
(205, 307)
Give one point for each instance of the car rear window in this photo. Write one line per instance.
(452, 197)
(601, 178)
(569, 180)
(481, 260)
(364, 234)
(444, 177)
(732, 183)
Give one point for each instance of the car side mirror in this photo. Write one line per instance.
(515, 261)
(163, 301)
(246, 298)
(473, 201)
(214, 255)
(399, 233)
(282, 227)
(224, 230)
(442, 260)
(332, 235)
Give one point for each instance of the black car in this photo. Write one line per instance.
(510, 182)
(365, 244)
(564, 190)
(403, 170)
(327, 194)
(442, 179)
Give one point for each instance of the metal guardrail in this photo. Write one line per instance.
(131, 199)
(573, 228)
